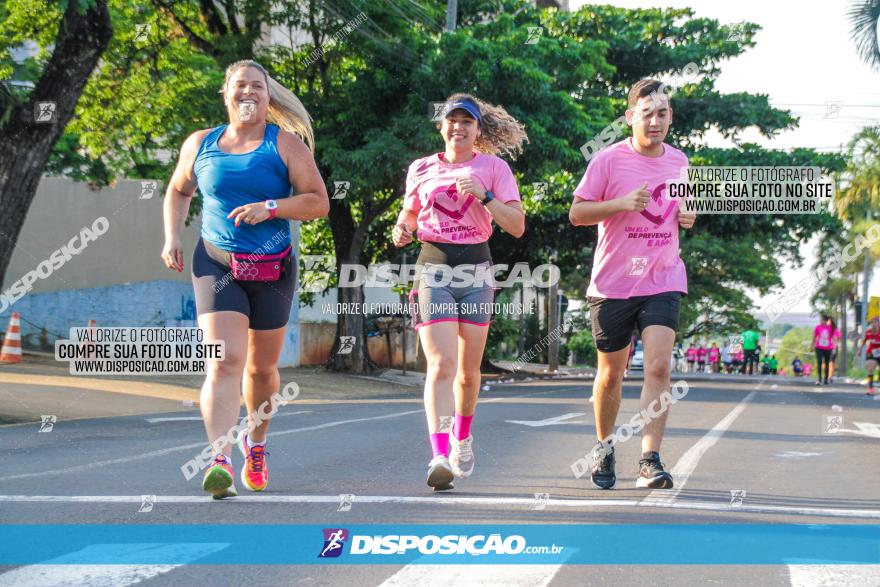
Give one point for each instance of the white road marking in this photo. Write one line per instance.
(868, 429)
(688, 462)
(833, 575)
(196, 445)
(199, 418)
(451, 500)
(57, 572)
(488, 575)
(201, 445)
(794, 454)
(550, 421)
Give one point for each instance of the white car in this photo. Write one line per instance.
(637, 363)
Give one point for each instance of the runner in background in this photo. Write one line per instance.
(632, 351)
(835, 339)
(701, 358)
(726, 357)
(637, 279)
(750, 350)
(797, 366)
(452, 198)
(677, 355)
(714, 354)
(823, 342)
(738, 357)
(871, 339)
(774, 364)
(691, 354)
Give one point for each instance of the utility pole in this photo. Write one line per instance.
(403, 300)
(451, 15)
(865, 299)
(844, 340)
(553, 351)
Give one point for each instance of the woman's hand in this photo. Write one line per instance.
(468, 184)
(401, 235)
(250, 213)
(172, 254)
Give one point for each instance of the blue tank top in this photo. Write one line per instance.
(227, 181)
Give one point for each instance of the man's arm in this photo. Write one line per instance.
(588, 212)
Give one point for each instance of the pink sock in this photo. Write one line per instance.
(462, 426)
(440, 444)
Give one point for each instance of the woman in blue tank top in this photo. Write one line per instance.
(254, 178)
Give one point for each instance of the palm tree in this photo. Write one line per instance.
(864, 18)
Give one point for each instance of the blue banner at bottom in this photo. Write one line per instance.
(600, 544)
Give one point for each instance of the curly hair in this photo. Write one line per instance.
(502, 134)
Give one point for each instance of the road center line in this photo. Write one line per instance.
(688, 462)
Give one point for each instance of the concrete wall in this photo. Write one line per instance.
(118, 279)
(128, 252)
(318, 339)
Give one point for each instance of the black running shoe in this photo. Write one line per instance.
(652, 474)
(602, 474)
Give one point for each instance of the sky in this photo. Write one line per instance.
(803, 59)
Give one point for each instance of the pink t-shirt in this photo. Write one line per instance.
(444, 215)
(713, 355)
(825, 337)
(637, 252)
(691, 354)
(701, 354)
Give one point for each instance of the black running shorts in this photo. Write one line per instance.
(266, 303)
(613, 320)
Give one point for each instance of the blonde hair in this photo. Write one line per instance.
(502, 134)
(285, 109)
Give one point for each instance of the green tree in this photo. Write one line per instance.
(38, 97)
(370, 87)
(864, 18)
(795, 343)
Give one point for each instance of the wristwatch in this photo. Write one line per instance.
(489, 197)
(272, 207)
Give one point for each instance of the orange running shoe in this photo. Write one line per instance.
(219, 479)
(255, 472)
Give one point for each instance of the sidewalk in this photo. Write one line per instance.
(41, 386)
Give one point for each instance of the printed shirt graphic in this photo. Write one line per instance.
(637, 252)
(444, 215)
(701, 354)
(713, 355)
(824, 337)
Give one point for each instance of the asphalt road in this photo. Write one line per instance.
(742, 451)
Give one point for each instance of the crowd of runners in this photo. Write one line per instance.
(246, 171)
(743, 354)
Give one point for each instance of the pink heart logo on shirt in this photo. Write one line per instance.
(452, 194)
(658, 217)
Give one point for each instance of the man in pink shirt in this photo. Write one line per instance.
(638, 277)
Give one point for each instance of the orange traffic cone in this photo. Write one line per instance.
(90, 346)
(11, 352)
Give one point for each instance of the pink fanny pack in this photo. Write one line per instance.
(250, 267)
